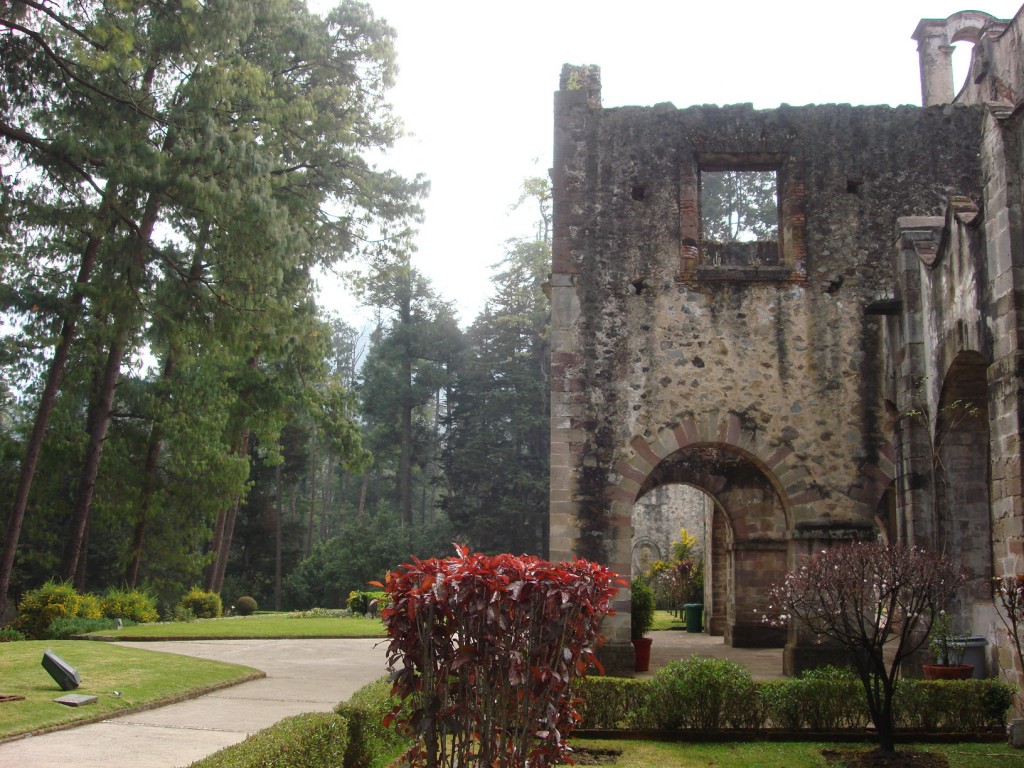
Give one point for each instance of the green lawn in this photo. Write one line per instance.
(643, 754)
(140, 677)
(274, 625)
(666, 620)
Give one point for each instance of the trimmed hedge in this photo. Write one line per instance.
(311, 740)
(371, 745)
(708, 695)
(352, 736)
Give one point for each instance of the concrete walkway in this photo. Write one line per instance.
(302, 676)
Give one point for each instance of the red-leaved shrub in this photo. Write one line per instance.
(484, 650)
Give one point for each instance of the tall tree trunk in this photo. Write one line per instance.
(221, 560)
(279, 504)
(405, 448)
(312, 495)
(362, 495)
(327, 494)
(154, 446)
(149, 483)
(99, 416)
(48, 398)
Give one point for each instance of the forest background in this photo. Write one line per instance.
(176, 409)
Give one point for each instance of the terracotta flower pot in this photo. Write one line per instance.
(948, 671)
(642, 653)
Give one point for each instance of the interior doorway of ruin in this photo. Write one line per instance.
(745, 535)
(961, 453)
(659, 518)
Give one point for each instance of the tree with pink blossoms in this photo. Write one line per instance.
(876, 601)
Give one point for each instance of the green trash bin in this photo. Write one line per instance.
(693, 612)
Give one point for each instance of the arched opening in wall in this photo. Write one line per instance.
(961, 61)
(961, 455)
(746, 537)
(886, 516)
(662, 518)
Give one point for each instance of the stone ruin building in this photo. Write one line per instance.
(853, 371)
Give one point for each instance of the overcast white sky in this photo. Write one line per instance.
(476, 82)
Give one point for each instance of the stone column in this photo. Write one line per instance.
(936, 59)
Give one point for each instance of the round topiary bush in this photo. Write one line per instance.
(131, 604)
(202, 604)
(245, 606)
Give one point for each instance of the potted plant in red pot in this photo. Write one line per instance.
(948, 649)
(641, 620)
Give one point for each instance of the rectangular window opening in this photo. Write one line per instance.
(739, 212)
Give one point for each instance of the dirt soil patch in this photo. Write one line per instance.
(595, 756)
(876, 758)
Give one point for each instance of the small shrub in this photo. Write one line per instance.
(642, 606)
(10, 635)
(370, 744)
(64, 629)
(202, 604)
(54, 600)
(610, 702)
(303, 741)
(245, 606)
(131, 604)
(705, 694)
(362, 603)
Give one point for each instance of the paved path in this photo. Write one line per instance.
(302, 676)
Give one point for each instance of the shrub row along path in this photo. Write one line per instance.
(302, 676)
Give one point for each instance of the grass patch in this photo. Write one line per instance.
(267, 626)
(142, 678)
(666, 620)
(643, 754)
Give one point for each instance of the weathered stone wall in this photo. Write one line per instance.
(658, 518)
(760, 385)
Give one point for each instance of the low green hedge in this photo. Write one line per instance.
(709, 695)
(371, 745)
(352, 736)
(311, 740)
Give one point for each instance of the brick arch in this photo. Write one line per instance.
(791, 480)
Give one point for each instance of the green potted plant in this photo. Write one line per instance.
(641, 620)
(948, 650)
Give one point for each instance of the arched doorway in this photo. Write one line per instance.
(961, 457)
(746, 536)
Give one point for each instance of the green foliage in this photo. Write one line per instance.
(362, 603)
(959, 706)
(701, 693)
(642, 608)
(710, 694)
(65, 629)
(311, 740)
(824, 699)
(133, 604)
(497, 456)
(611, 702)
(202, 604)
(363, 551)
(10, 635)
(371, 744)
(739, 205)
(245, 606)
(53, 600)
